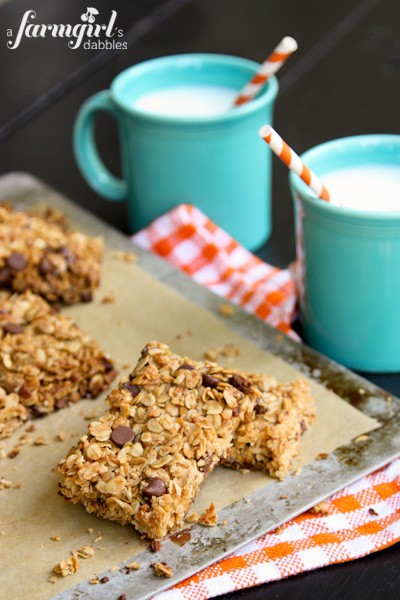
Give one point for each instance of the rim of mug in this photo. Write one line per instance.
(267, 95)
(323, 207)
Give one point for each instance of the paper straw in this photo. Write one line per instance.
(293, 161)
(273, 63)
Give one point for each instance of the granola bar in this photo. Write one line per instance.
(270, 439)
(46, 361)
(169, 424)
(41, 255)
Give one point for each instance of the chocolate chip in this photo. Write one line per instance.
(121, 435)
(107, 364)
(12, 328)
(259, 409)
(240, 383)
(45, 266)
(67, 254)
(155, 487)
(373, 512)
(5, 276)
(35, 412)
(132, 388)
(208, 461)
(17, 261)
(210, 381)
(122, 597)
(187, 367)
(104, 579)
(86, 296)
(145, 351)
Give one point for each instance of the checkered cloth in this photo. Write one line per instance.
(359, 520)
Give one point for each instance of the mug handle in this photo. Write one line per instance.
(86, 153)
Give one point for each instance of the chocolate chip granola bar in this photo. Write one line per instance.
(170, 423)
(42, 255)
(46, 361)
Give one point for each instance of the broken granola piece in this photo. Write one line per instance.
(270, 439)
(85, 552)
(322, 508)
(43, 256)
(162, 569)
(47, 366)
(209, 518)
(67, 566)
(180, 421)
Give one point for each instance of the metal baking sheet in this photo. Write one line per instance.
(246, 521)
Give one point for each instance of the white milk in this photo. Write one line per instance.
(188, 100)
(373, 187)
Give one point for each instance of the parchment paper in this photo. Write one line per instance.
(143, 310)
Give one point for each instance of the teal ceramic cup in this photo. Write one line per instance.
(217, 163)
(349, 262)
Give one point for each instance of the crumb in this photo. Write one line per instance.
(90, 530)
(247, 500)
(245, 471)
(41, 440)
(227, 310)
(125, 366)
(228, 350)
(122, 597)
(7, 484)
(322, 508)
(90, 416)
(98, 538)
(297, 472)
(100, 547)
(224, 523)
(162, 569)
(361, 391)
(53, 579)
(322, 456)
(189, 332)
(94, 581)
(133, 566)
(14, 452)
(116, 568)
(107, 299)
(67, 566)
(279, 529)
(104, 580)
(61, 436)
(283, 496)
(373, 512)
(154, 546)
(388, 400)
(193, 518)
(85, 552)
(129, 257)
(209, 517)
(361, 438)
(31, 428)
(55, 538)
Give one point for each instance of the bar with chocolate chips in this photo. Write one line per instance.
(46, 361)
(170, 423)
(42, 255)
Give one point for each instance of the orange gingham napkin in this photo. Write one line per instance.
(363, 517)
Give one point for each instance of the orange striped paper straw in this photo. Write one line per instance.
(269, 67)
(293, 161)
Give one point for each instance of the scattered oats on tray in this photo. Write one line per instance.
(42, 255)
(169, 424)
(46, 362)
(209, 517)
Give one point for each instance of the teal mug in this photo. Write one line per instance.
(348, 266)
(216, 162)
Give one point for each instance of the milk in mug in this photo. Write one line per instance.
(369, 187)
(188, 100)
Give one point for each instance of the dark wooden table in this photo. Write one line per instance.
(344, 80)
